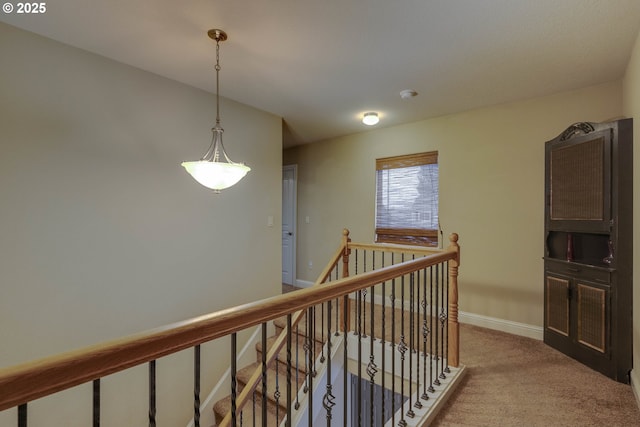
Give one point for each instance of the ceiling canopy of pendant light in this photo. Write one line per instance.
(215, 170)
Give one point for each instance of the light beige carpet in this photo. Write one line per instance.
(517, 381)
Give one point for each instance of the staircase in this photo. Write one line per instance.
(276, 378)
(418, 291)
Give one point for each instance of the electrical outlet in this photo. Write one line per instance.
(310, 265)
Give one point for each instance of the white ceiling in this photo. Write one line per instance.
(322, 64)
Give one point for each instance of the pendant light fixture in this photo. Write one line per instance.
(215, 170)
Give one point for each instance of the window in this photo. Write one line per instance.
(407, 199)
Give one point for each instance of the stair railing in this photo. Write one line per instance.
(24, 383)
(342, 253)
(329, 275)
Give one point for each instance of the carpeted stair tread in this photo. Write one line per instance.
(295, 349)
(244, 375)
(281, 325)
(222, 407)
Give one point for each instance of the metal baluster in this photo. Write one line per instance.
(253, 407)
(328, 402)
(196, 386)
(431, 327)
(372, 369)
(393, 344)
(22, 415)
(337, 333)
(152, 393)
(364, 295)
(356, 330)
(96, 403)
(312, 336)
(446, 340)
(443, 321)
(418, 404)
(297, 404)
(276, 393)
(306, 348)
(373, 260)
(402, 348)
(410, 412)
(345, 357)
(310, 315)
(264, 375)
(322, 358)
(234, 367)
(436, 381)
(289, 388)
(425, 334)
(382, 339)
(359, 393)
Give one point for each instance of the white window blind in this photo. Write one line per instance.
(407, 199)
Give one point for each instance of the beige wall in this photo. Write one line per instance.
(102, 232)
(631, 105)
(491, 192)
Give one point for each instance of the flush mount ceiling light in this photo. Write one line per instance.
(213, 170)
(370, 118)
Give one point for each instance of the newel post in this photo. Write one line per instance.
(453, 350)
(346, 314)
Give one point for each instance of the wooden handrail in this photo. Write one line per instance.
(391, 247)
(26, 382)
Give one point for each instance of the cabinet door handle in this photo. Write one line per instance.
(574, 270)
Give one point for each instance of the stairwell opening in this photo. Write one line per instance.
(372, 399)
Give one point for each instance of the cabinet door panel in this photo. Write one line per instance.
(578, 182)
(577, 178)
(557, 306)
(592, 316)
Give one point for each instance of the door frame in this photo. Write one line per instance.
(294, 219)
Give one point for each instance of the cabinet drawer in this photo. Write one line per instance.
(579, 271)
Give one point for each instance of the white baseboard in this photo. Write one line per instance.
(303, 283)
(511, 327)
(515, 328)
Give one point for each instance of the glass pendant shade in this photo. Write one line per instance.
(215, 170)
(216, 175)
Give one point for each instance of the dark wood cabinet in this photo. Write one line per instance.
(588, 245)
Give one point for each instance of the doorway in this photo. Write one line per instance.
(289, 214)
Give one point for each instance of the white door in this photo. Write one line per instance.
(289, 180)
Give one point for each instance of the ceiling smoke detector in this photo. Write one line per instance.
(408, 94)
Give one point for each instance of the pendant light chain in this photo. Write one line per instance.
(217, 81)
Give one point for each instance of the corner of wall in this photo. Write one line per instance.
(635, 385)
(631, 108)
